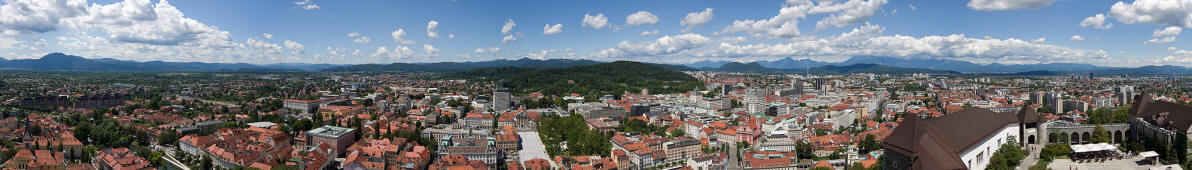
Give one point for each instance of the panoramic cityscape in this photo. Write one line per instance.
(611, 85)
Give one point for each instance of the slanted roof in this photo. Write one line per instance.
(937, 143)
(1162, 113)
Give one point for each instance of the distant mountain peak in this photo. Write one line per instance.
(60, 56)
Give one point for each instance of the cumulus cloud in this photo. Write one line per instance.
(38, 15)
(399, 36)
(450, 35)
(429, 49)
(661, 46)
(996, 5)
(695, 19)
(267, 35)
(785, 24)
(1163, 40)
(645, 33)
(432, 29)
(362, 40)
(509, 24)
(507, 30)
(1076, 38)
(595, 21)
(358, 38)
(1177, 56)
(307, 5)
(1163, 36)
(141, 21)
(641, 18)
(552, 29)
(1096, 21)
(1169, 31)
(487, 50)
(295, 47)
(508, 38)
(267, 47)
(1040, 40)
(1162, 12)
(869, 41)
(398, 52)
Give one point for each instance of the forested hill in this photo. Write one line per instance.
(606, 78)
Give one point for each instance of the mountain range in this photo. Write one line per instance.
(954, 65)
(60, 61)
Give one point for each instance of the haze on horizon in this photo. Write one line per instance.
(1105, 33)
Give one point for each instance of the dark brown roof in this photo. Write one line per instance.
(1162, 113)
(1028, 115)
(937, 143)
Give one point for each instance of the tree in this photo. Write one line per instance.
(677, 133)
(1100, 135)
(1051, 151)
(1007, 157)
(1181, 148)
(869, 144)
(803, 150)
(206, 163)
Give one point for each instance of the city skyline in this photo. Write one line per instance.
(1103, 33)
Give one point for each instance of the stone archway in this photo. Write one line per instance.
(1030, 139)
(1117, 137)
(1075, 138)
(1085, 137)
(1051, 138)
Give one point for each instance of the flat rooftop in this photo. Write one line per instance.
(330, 131)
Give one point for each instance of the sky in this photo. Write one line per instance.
(1099, 32)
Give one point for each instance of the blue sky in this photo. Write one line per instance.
(1108, 33)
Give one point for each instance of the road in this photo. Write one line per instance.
(732, 157)
(531, 147)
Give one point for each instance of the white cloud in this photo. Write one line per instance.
(1183, 57)
(645, 33)
(552, 29)
(450, 35)
(487, 50)
(1169, 31)
(307, 5)
(1096, 21)
(399, 36)
(695, 19)
(1039, 40)
(1163, 36)
(267, 47)
(505, 29)
(398, 52)
(140, 21)
(295, 47)
(541, 54)
(267, 36)
(429, 49)
(850, 12)
(362, 40)
(1163, 40)
(641, 18)
(868, 41)
(1163, 12)
(38, 15)
(508, 38)
(359, 39)
(431, 29)
(595, 21)
(995, 5)
(661, 46)
(1076, 38)
(785, 24)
